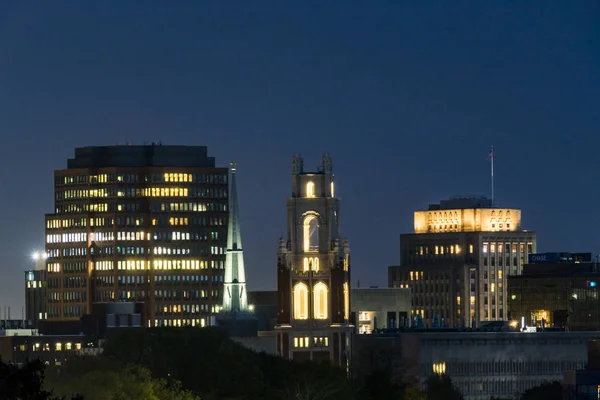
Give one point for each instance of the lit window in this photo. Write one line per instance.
(310, 189)
(346, 301)
(332, 189)
(301, 341)
(439, 368)
(311, 233)
(320, 301)
(300, 301)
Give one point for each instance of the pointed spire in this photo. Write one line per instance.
(234, 296)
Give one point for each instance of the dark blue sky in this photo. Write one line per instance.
(406, 96)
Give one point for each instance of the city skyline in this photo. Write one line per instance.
(405, 127)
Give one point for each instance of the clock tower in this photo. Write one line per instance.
(313, 272)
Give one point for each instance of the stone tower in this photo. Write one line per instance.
(313, 272)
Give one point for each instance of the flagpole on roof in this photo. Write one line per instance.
(492, 171)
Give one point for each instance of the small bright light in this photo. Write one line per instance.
(251, 307)
(39, 255)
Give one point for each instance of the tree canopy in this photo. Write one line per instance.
(546, 391)
(192, 363)
(25, 382)
(440, 387)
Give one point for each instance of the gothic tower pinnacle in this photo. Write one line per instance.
(235, 298)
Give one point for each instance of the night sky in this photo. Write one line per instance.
(406, 96)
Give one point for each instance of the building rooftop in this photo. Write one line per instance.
(153, 155)
(459, 202)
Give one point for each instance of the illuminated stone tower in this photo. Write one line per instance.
(313, 272)
(235, 317)
(235, 298)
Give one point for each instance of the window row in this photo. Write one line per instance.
(167, 177)
(304, 341)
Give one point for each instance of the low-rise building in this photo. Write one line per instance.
(51, 349)
(481, 364)
(379, 308)
(557, 290)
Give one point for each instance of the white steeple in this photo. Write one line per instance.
(235, 298)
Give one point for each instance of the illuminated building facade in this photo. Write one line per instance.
(557, 294)
(138, 224)
(313, 272)
(458, 260)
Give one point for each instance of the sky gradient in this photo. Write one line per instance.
(407, 97)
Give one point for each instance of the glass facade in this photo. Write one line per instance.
(560, 295)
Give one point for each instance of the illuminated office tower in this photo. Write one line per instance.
(141, 224)
(313, 272)
(458, 259)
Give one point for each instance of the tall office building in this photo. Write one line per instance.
(313, 272)
(457, 260)
(139, 224)
(35, 291)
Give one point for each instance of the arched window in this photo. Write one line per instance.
(320, 301)
(346, 301)
(310, 189)
(311, 233)
(311, 264)
(300, 301)
(332, 189)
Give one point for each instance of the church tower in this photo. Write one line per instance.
(313, 272)
(235, 317)
(235, 298)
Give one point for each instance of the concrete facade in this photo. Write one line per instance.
(380, 308)
(458, 275)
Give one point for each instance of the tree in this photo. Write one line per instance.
(546, 391)
(380, 385)
(440, 387)
(99, 378)
(209, 364)
(25, 382)
(413, 393)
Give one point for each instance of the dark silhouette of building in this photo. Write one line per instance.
(138, 224)
(35, 297)
(56, 341)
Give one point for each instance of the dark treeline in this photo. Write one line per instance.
(203, 364)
